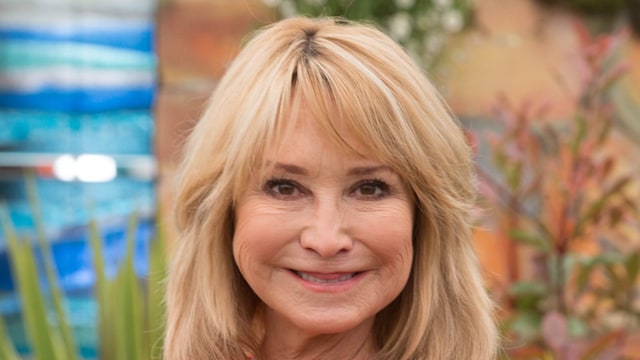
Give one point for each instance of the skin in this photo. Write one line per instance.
(325, 243)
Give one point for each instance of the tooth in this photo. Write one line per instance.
(314, 279)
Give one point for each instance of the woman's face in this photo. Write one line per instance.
(326, 240)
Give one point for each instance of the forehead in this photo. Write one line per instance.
(309, 128)
(313, 141)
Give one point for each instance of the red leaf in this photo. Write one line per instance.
(583, 33)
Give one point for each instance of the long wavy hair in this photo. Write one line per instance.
(352, 72)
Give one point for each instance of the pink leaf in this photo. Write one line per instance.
(555, 331)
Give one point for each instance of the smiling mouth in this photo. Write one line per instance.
(325, 278)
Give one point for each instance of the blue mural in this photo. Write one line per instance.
(78, 82)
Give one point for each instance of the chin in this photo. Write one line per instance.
(323, 325)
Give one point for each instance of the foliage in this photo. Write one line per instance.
(598, 7)
(634, 16)
(422, 26)
(565, 201)
(6, 347)
(130, 317)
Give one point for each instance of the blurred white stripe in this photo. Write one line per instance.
(33, 17)
(69, 77)
(119, 6)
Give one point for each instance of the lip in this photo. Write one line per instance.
(327, 282)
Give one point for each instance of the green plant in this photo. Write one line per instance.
(49, 338)
(421, 26)
(598, 7)
(130, 321)
(130, 318)
(561, 194)
(6, 347)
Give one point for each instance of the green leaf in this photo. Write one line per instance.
(522, 288)
(103, 295)
(577, 327)
(131, 325)
(613, 276)
(527, 294)
(50, 271)
(130, 318)
(7, 351)
(526, 325)
(594, 210)
(584, 273)
(527, 238)
(581, 131)
(514, 176)
(632, 265)
(156, 289)
(568, 262)
(43, 337)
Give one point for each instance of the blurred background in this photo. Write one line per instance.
(97, 97)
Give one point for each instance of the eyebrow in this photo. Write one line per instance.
(290, 168)
(368, 170)
(355, 171)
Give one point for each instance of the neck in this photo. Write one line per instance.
(287, 342)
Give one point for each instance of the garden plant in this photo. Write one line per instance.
(569, 209)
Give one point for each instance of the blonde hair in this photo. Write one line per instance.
(356, 73)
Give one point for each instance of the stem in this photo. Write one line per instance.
(512, 250)
(514, 204)
(559, 283)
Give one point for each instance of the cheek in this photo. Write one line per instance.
(260, 233)
(248, 240)
(389, 233)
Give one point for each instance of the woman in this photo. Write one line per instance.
(324, 209)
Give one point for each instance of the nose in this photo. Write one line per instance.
(326, 231)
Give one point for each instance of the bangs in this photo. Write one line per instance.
(345, 95)
(336, 106)
(344, 90)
